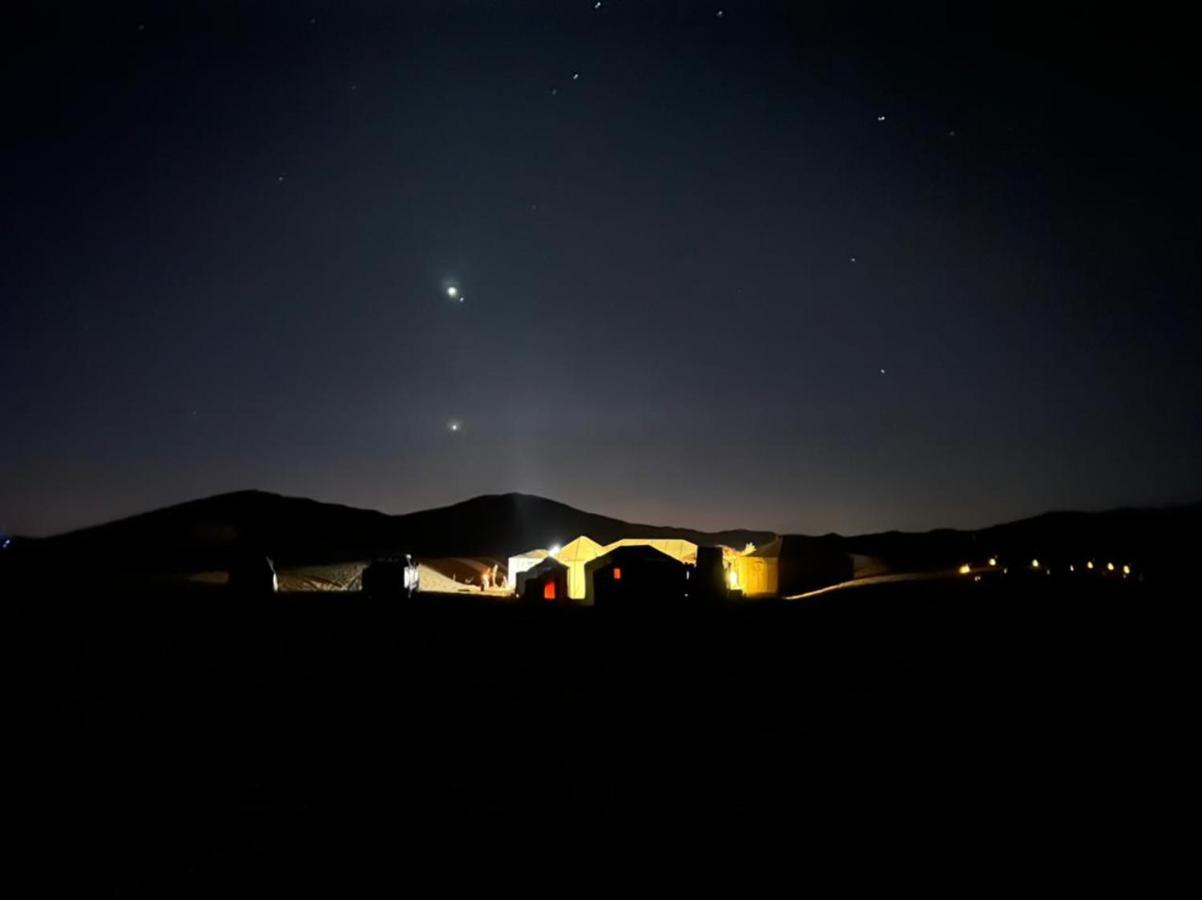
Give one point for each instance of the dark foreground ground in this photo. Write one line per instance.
(971, 734)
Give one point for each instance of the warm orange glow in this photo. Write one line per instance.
(1126, 570)
(549, 590)
(1089, 565)
(965, 569)
(993, 560)
(1034, 564)
(617, 574)
(1109, 567)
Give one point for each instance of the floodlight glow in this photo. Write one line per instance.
(1034, 564)
(452, 291)
(1126, 570)
(965, 569)
(1109, 567)
(993, 560)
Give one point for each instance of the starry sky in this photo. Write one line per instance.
(803, 267)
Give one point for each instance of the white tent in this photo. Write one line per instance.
(521, 563)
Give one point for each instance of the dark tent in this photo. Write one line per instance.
(548, 581)
(637, 576)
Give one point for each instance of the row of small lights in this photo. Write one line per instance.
(966, 569)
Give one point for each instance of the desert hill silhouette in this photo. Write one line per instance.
(201, 534)
(294, 530)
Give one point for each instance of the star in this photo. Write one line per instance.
(575, 76)
(452, 292)
(453, 426)
(721, 13)
(279, 178)
(882, 371)
(880, 118)
(853, 259)
(597, 5)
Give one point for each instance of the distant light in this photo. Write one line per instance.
(597, 5)
(1109, 567)
(555, 550)
(721, 13)
(452, 291)
(965, 569)
(453, 426)
(993, 560)
(1089, 565)
(575, 76)
(1072, 568)
(880, 118)
(1126, 569)
(1034, 564)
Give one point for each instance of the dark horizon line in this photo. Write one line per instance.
(1126, 508)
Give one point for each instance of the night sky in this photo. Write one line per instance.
(717, 264)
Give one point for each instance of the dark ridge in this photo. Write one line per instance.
(203, 533)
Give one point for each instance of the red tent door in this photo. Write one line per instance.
(549, 590)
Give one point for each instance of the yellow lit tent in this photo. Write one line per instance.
(679, 549)
(757, 573)
(574, 556)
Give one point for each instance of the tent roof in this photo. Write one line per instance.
(677, 548)
(621, 550)
(582, 549)
(772, 548)
(547, 565)
(537, 553)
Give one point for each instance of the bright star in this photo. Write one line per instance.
(452, 292)
(880, 118)
(453, 426)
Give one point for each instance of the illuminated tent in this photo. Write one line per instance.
(521, 563)
(790, 565)
(680, 550)
(574, 555)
